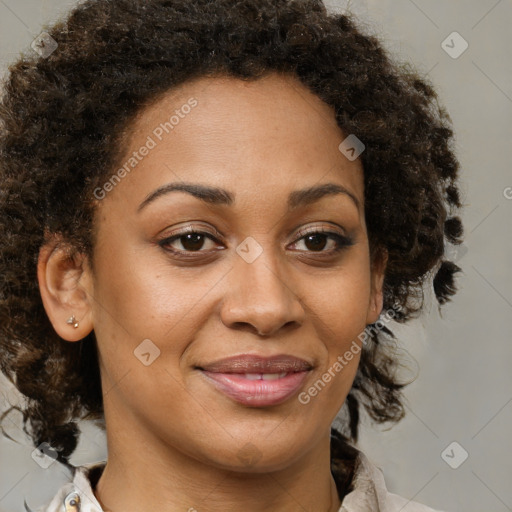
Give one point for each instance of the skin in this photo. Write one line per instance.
(175, 442)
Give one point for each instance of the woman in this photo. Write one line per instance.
(211, 210)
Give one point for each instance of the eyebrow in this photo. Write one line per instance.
(219, 196)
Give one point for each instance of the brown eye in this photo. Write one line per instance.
(316, 241)
(191, 241)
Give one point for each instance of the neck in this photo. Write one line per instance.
(155, 476)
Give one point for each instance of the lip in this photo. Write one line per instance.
(229, 376)
(254, 363)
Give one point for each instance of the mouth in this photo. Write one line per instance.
(257, 381)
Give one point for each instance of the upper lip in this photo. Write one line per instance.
(250, 363)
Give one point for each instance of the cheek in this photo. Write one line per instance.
(140, 296)
(340, 319)
(138, 300)
(342, 304)
(133, 291)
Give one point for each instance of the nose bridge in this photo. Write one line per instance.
(259, 294)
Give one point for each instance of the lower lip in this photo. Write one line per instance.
(256, 393)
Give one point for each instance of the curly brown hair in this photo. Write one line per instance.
(64, 119)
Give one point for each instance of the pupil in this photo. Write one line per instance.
(192, 242)
(313, 237)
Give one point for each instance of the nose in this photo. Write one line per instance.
(260, 298)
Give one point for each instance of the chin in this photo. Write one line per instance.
(253, 454)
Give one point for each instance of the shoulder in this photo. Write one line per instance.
(76, 495)
(369, 492)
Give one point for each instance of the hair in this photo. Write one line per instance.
(64, 120)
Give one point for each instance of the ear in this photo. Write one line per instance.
(378, 270)
(65, 284)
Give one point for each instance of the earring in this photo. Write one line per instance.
(72, 321)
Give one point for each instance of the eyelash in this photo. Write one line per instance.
(342, 242)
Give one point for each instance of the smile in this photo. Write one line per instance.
(257, 389)
(257, 380)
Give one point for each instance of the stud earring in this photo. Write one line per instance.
(72, 321)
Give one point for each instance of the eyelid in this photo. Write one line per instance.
(320, 228)
(316, 228)
(195, 228)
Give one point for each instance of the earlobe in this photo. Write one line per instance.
(65, 285)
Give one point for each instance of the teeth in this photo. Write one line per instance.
(265, 376)
(273, 376)
(253, 376)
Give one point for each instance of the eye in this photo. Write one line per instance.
(190, 241)
(315, 241)
(193, 241)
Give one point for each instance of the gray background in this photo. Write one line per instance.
(463, 390)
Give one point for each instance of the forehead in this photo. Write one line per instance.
(246, 136)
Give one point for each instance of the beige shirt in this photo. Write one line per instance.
(369, 493)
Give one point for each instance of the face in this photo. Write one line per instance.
(256, 267)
